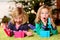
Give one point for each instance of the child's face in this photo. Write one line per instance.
(18, 19)
(44, 13)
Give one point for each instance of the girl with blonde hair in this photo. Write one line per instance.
(19, 21)
(44, 20)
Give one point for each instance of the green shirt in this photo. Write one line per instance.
(39, 28)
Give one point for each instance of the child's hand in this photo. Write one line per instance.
(24, 31)
(29, 24)
(29, 33)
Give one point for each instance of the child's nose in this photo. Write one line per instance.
(44, 15)
(17, 19)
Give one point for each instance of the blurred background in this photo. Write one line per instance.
(31, 7)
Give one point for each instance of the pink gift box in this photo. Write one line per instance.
(19, 34)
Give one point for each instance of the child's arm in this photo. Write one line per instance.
(10, 25)
(25, 29)
(53, 27)
(31, 27)
(53, 24)
(7, 31)
(37, 28)
(28, 33)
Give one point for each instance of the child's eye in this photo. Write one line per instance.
(46, 13)
(42, 13)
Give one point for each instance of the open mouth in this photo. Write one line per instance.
(44, 18)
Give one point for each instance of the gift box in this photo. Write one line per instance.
(44, 34)
(19, 34)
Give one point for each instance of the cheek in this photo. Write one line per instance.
(47, 16)
(20, 19)
(41, 15)
(15, 20)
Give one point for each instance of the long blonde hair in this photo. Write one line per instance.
(19, 12)
(38, 18)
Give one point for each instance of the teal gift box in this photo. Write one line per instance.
(44, 33)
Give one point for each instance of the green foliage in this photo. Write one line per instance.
(34, 3)
(48, 2)
(32, 18)
(54, 11)
(5, 19)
